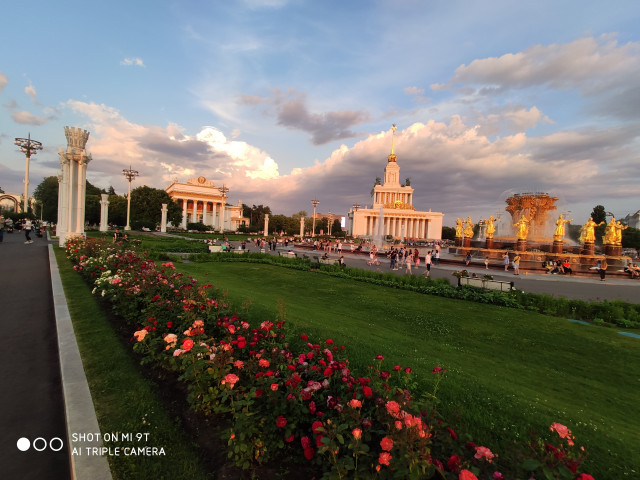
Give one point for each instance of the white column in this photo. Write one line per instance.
(204, 212)
(266, 224)
(184, 213)
(104, 212)
(301, 227)
(163, 218)
(222, 213)
(194, 215)
(82, 186)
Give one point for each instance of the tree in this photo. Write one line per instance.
(47, 193)
(117, 210)
(599, 214)
(448, 233)
(146, 207)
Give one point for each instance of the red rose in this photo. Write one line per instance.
(367, 391)
(319, 441)
(384, 458)
(317, 424)
(305, 442)
(453, 463)
(467, 475)
(289, 439)
(281, 421)
(304, 337)
(453, 434)
(308, 453)
(386, 443)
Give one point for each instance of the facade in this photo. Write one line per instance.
(633, 220)
(393, 203)
(202, 201)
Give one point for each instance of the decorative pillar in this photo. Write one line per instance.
(104, 212)
(74, 170)
(184, 213)
(266, 224)
(204, 212)
(301, 227)
(163, 219)
(194, 214)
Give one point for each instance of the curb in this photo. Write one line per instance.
(79, 411)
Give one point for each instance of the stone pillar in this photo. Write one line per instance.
(163, 219)
(194, 214)
(104, 212)
(557, 246)
(184, 213)
(589, 248)
(612, 250)
(301, 227)
(222, 212)
(266, 225)
(204, 212)
(488, 243)
(72, 185)
(521, 245)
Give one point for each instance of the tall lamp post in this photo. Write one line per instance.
(355, 208)
(330, 221)
(28, 147)
(315, 203)
(224, 189)
(129, 175)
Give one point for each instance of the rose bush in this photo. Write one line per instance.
(292, 398)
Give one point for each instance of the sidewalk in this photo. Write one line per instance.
(31, 405)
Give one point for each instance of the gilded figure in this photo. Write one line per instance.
(468, 229)
(523, 228)
(558, 235)
(491, 228)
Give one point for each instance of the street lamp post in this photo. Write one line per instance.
(315, 203)
(129, 175)
(355, 208)
(330, 220)
(224, 189)
(28, 147)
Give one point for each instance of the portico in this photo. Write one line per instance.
(202, 201)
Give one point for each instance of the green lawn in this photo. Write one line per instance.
(508, 371)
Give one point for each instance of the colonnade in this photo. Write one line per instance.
(414, 227)
(391, 197)
(211, 212)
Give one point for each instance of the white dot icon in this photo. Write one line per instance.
(23, 444)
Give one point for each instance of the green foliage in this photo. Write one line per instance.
(199, 226)
(146, 203)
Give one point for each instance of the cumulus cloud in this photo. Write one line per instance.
(135, 61)
(292, 111)
(4, 81)
(591, 65)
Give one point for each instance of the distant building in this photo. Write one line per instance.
(13, 202)
(202, 201)
(400, 218)
(633, 220)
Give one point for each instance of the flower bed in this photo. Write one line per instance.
(295, 398)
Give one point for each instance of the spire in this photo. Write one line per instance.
(392, 157)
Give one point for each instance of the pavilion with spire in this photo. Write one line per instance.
(393, 206)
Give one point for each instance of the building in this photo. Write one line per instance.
(202, 201)
(394, 203)
(633, 220)
(13, 202)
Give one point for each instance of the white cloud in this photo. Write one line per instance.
(31, 91)
(414, 91)
(132, 61)
(4, 81)
(27, 118)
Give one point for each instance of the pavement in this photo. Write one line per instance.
(46, 398)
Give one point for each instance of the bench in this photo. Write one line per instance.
(327, 261)
(487, 284)
(215, 248)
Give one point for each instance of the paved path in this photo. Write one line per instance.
(31, 403)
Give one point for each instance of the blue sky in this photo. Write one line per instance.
(284, 101)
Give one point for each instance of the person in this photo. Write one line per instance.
(407, 264)
(26, 226)
(117, 236)
(2, 223)
(566, 266)
(341, 261)
(603, 269)
(325, 256)
(486, 263)
(427, 262)
(505, 261)
(436, 256)
(9, 225)
(125, 238)
(516, 265)
(467, 260)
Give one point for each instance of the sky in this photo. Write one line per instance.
(284, 101)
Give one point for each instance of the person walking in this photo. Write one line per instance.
(603, 269)
(27, 226)
(516, 265)
(486, 263)
(427, 263)
(2, 222)
(407, 264)
(505, 261)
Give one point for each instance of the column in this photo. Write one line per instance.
(222, 213)
(301, 227)
(104, 212)
(163, 218)
(184, 213)
(82, 187)
(204, 212)
(194, 215)
(266, 224)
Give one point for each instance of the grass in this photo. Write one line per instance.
(125, 401)
(508, 371)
